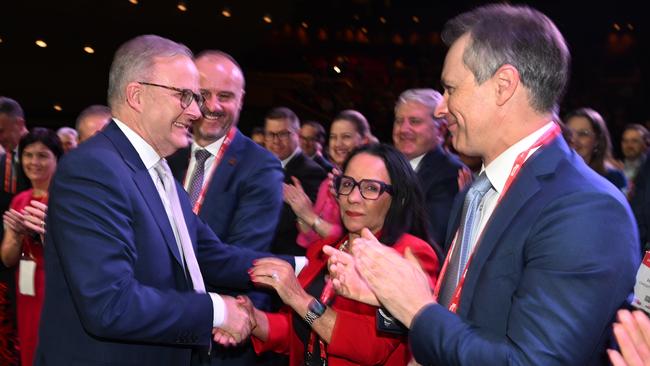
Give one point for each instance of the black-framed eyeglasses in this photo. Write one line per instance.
(187, 96)
(282, 135)
(370, 189)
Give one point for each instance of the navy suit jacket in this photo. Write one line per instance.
(243, 202)
(116, 293)
(556, 260)
(438, 176)
(310, 175)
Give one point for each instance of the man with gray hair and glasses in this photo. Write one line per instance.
(543, 249)
(126, 260)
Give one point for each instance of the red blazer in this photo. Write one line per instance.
(355, 340)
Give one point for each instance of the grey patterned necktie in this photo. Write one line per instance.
(196, 182)
(466, 235)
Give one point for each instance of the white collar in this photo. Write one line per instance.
(499, 169)
(147, 154)
(287, 160)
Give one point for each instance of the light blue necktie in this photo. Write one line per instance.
(178, 220)
(467, 231)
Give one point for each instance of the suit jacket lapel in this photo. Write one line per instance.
(525, 186)
(143, 181)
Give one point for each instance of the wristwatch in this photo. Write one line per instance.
(314, 311)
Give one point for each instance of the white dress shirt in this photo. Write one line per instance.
(498, 172)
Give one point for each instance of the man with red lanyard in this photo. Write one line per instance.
(236, 185)
(548, 249)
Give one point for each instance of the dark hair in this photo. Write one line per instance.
(406, 213)
(257, 130)
(602, 153)
(645, 135)
(519, 36)
(45, 136)
(357, 119)
(11, 108)
(287, 114)
(320, 130)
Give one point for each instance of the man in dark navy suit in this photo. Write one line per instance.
(126, 260)
(417, 134)
(281, 131)
(239, 192)
(545, 250)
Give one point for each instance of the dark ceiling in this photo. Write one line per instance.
(289, 64)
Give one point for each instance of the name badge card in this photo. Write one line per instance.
(26, 274)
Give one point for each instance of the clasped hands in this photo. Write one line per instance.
(378, 275)
(31, 219)
(238, 324)
(241, 318)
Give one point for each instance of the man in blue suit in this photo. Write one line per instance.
(241, 182)
(553, 249)
(123, 287)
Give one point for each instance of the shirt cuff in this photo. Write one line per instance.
(301, 262)
(219, 311)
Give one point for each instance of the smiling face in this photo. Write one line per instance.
(414, 131)
(468, 107)
(583, 137)
(357, 212)
(344, 137)
(222, 86)
(163, 122)
(280, 138)
(39, 163)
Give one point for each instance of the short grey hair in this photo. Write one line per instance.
(429, 98)
(67, 131)
(519, 36)
(134, 60)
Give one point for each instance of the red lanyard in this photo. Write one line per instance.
(10, 177)
(547, 137)
(326, 297)
(215, 164)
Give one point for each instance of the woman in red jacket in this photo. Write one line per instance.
(379, 191)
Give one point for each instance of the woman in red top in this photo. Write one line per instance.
(39, 151)
(379, 191)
